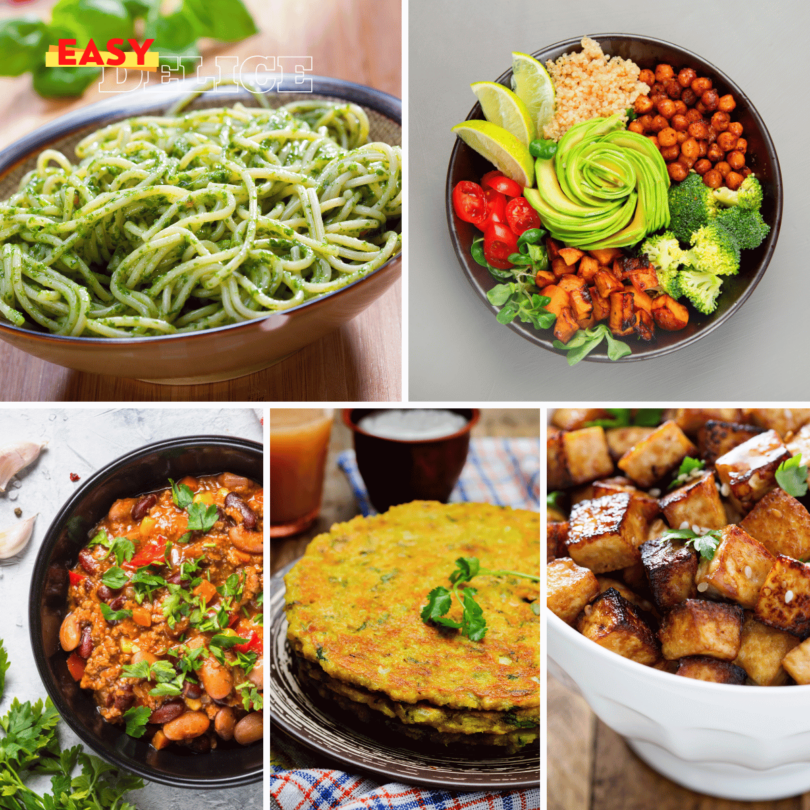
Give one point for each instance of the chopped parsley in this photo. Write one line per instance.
(114, 578)
(252, 699)
(624, 417)
(791, 475)
(136, 719)
(181, 495)
(111, 615)
(201, 517)
(704, 544)
(688, 466)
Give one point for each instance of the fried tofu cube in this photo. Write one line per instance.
(737, 570)
(635, 577)
(800, 443)
(556, 468)
(556, 535)
(586, 454)
(716, 438)
(609, 486)
(782, 420)
(570, 588)
(670, 567)
(784, 599)
(604, 534)
(616, 624)
(576, 418)
(797, 663)
(749, 470)
(703, 668)
(781, 524)
(691, 420)
(652, 458)
(762, 650)
(620, 440)
(697, 503)
(605, 583)
(700, 627)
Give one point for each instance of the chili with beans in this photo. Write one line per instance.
(165, 620)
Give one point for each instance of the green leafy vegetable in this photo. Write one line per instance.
(225, 20)
(252, 699)
(201, 517)
(4, 665)
(22, 44)
(516, 301)
(111, 615)
(181, 495)
(704, 544)
(688, 466)
(585, 341)
(553, 499)
(114, 578)
(791, 475)
(624, 417)
(136, 719)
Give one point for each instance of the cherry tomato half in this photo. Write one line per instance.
(469, 202)
(520, 216)
(499, 244)
(501, 183)
(496, 207)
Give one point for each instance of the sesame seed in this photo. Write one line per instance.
(704, 586)
(655, 493)
(685, 525)
(789, 597)
(748, 572)
(725, 490)
(695, 528)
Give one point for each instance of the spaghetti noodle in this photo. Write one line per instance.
(198, 219)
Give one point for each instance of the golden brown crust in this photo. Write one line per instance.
(704, 668)
(762, 650)
(784, 599)
(652, 458)
(781, 524)
(699, 627)
(670, 567)
(570, 588)
(697, 503)
(716, 438)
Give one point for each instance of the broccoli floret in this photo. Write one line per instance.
(669, 282)
(664, 251)
(747, 227)
(691, 205)
(748, 196)
(701, 289)
(714, 250)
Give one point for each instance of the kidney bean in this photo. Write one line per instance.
(216, 680)
(249, 729)
(187, 726)
(124, 698)
(192, 690)
(105, 594)
(224, 723)
(70, 633)
(249, 518)
(175, 578)
(247, 541)
(168, 712)
(86, 644)
(141, 508)
(118, 602)
(87, 561)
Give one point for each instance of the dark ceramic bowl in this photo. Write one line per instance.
(400, 471)
(225, 352)
(144, 470)
(466, 164)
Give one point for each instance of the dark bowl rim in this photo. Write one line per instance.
(355, 428)
(35, 623)
(129, 104)
(532, 335)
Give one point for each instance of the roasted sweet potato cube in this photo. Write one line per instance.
(543, 278)
(559, 267)
(644, 325)
(622, 319)
(737, 570)
(641, 300)
(560, 299)
(617, 625)
(601, 306)
(784, 599)
(606, 255)
(582, 304)
(696, 503)
(797, 662)
(618, 269)
(652, 458)
(717, 437)
(700, 627)
(604, 533)
(669, 314)
(586, 323)
(670, 567)
(643, 278)
(691, 420)
(565, 326)
(587, 268)
(606, 583)
(703, 668)
(620, 440)
(558, 477)
(586, 454)
(552, 248)
(762, 650)
(575, 418)
(782, 420)
(571, 255)
(781, 524)
(606, 283)
(570, 588)
(556, 536)
(569, 282)
(749, 469)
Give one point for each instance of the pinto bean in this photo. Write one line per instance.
(247, 541)
(70, 633)
(86, 644)
(234, 501)
(234, 482)
(216, 680)
(168, 712)
(87, 561)
(141, 508)
(187, 726)
(224, 723)
(256, 676)
(249, 729)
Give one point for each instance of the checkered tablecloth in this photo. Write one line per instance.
(501, 471)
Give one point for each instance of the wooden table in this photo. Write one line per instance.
(356, 40)
(591, 768)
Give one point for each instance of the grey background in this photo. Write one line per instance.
(457, 349)
(81, 442)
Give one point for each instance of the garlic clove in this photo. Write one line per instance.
(16, 457)
(14, 539)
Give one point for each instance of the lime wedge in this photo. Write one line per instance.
(502, 107)
(533, 86)
(499, 147)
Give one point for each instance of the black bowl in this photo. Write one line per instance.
(466, 164)
(144, 470)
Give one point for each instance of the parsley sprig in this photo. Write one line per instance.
(791, 475)
(704, 544)
(688, 466)
(625, 417)
(472, 624)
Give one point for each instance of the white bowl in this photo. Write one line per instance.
(737, 742)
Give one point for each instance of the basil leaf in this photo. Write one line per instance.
(175, 40)
(99, 20)
(64, 82)
(224, 20)
(22, 45)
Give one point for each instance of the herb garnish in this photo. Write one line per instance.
(688, 466)
(704, 544)
(553, 500)
(114, 578)
(586, 340)
(111, 615)
(791, 475)
(201, 517)
(624, 417)
(252, 698)
(181, 495)
(136, 719)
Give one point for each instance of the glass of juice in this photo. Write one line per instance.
(299, 442)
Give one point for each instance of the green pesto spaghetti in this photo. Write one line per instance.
(198, 219)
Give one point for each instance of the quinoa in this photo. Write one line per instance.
(589, 85)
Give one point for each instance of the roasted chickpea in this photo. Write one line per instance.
(668, 137)
(687, 160)
(673, 89)
(723, 168)
(679, 123)
(699, 130)
(688, 97)
(713, 133)
(702, 166)
(647, 76)
(715, 153)
(746, 171)
(742, 145)
(682, 135)
(735, 128)
(666, 107)
(736, 160)
(703, 149)
(653, 139)
(734, 180)
(686, 76)
(701, 85)
(726, 103)
(659, 123)
(701, 107)
(663, 73)
(646, 122)
(658, 89)
(636, 126)
(726, 141)
(692, 116)
(643, 105)
(690, 149)
(720, 121)
(713, 179)
(669, 153)
(677, 171)
(710, 99)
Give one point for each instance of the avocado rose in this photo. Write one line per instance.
(605, 187)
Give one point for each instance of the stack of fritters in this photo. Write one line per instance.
(354, 602)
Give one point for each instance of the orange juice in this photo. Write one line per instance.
(299, 441)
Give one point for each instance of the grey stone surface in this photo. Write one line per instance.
(457, 350)
(81, 441)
